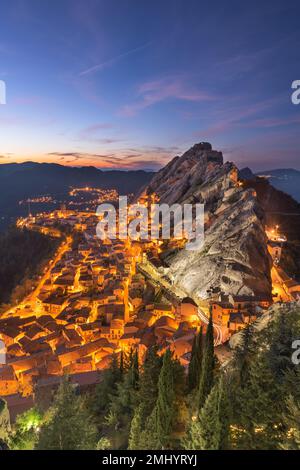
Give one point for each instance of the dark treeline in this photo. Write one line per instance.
(251, 403)
(21, 253)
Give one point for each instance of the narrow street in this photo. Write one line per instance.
(278, 287)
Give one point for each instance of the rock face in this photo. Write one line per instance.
(246, 174)
(234, 258)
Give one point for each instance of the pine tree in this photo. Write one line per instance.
(224, 413)
(208, 365)
(69, 425)
(135, 430)
(280, 337)
(210, 430)
(122, 367)
(124, 403)
(149, 438)
(244, 353)
(165, 406)
(267, 377)
(270, 378)
(148, 382)
(142, 430)
(259, 408)
(194, 370)
(291, 440)
(107, 388)
(134, 370)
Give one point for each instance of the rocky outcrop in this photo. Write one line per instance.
(246, 174)
(234, 258)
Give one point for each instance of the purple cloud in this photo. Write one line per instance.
(153, 92)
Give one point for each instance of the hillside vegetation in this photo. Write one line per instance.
(21, 253)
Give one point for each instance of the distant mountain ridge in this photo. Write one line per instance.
(53, 177)
(284, 179)
(23, 180)
(128, 181)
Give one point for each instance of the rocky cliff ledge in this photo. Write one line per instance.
(234, 258)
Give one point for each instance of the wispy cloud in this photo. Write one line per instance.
(231, 116)
(150, 158)
(274, 122)
(97, 127)
(94, 133)
(74, 157)
(110, 62)
(153, 92)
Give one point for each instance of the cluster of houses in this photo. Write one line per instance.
(289, 285)
(93, 303)
(234, 312)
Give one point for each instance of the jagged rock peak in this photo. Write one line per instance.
(182, 174)
(202, 151)
(234, 258)
(202, 146)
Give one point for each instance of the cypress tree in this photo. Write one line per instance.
(165, 405)
(135, 430)
(135, 374)
(208, 422)
(194, 370)
(142, 431)
(121, 362)
(149, 438)
(107, 388)
(132, 374)
(281, 336)
(210, 431)
(244, 353)
(148, 383)
(208, 364)
(224, 413)
(124, 402)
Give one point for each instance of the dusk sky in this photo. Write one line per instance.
(132, 83)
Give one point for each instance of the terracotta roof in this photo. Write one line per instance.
(188, 300)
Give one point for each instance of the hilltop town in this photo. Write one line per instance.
(92, 301)
(98, 298)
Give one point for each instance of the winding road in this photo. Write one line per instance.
(217, 328)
